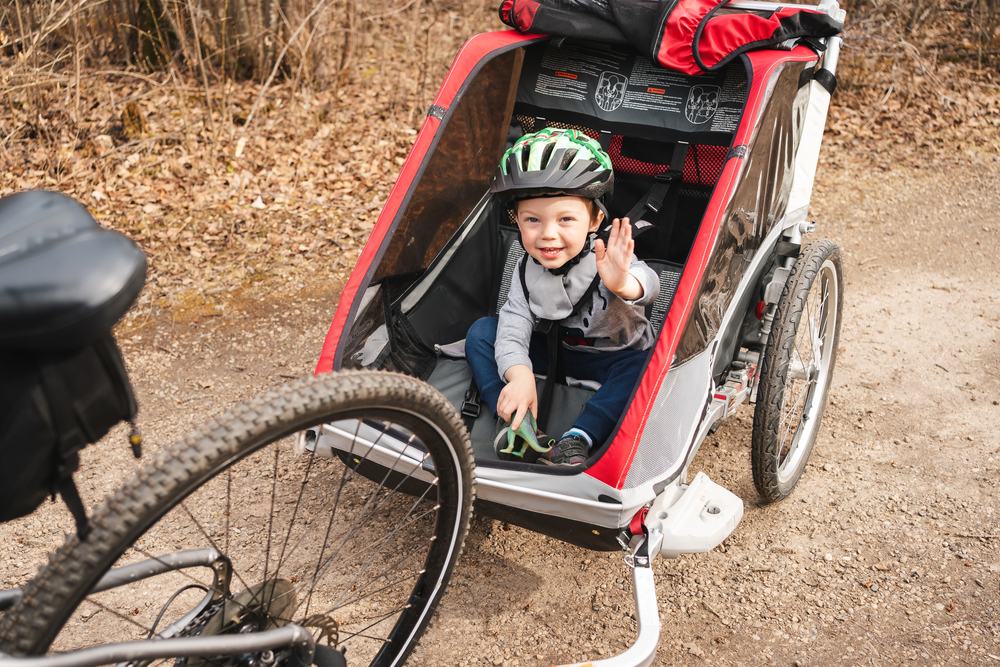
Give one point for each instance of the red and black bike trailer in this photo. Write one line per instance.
(713, 114)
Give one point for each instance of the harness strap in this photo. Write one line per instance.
(604, 138)
(557, 363)
(663, 185)
(557, 372)
(471, 406)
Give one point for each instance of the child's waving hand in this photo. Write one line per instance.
(613, 261)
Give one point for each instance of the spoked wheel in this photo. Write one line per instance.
(357, 548)
(796, 371)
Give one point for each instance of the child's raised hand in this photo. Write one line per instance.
(614, 260)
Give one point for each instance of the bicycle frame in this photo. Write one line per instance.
(167, 645)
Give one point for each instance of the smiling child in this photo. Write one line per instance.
(557, 182)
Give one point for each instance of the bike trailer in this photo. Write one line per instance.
(717, 154)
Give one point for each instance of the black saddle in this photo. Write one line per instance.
(64, 280)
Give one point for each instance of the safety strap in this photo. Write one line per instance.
(604, 138)
(557, 373)
(70, 441)
(663, 183)
(471, 406)
(662, 200)
(827, 79)
(557, 369)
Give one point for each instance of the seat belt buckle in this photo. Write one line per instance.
(669, 176)
(471, 406)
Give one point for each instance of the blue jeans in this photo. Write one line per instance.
(616, 371)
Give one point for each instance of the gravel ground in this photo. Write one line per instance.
(886, 553)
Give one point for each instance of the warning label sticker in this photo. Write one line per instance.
(617, 84)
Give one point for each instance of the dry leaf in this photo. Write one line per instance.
(694, 649)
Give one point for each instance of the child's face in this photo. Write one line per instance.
(554, 229)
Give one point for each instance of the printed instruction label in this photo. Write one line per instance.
(619, 85)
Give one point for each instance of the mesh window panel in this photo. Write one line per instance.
(675, 414)
(701, 167)
(528, 125)
(704, 164)
(514, 255)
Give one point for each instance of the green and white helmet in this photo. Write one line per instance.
(554, 162)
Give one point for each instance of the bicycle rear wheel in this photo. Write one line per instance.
(357, 547)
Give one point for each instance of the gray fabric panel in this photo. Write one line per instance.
(677, 411)
(452, 378)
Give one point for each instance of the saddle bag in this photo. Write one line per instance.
(64, 281)
(55, 404)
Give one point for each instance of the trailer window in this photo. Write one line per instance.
(459, 171)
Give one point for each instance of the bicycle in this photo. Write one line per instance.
(279, 554)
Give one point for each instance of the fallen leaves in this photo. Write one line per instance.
(694, 649)
(216, 205)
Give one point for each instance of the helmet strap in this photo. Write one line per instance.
(604, 209)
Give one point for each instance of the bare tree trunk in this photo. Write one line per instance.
(176, 30)
(240, 37)
(210, 124)
(127, 36)
(261, 41)
(273, 8)
(347, 53)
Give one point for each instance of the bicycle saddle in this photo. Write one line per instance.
(63, 278)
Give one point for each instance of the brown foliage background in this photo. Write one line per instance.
(246, 142)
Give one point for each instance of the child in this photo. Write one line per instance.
(556, 181)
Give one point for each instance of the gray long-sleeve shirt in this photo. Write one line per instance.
(608, 323)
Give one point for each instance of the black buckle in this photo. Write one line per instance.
(471, 406)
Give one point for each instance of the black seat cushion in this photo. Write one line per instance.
(64, 279)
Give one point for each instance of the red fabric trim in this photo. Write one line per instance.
(524, 14)
(468, 58)
(613, 466)
(727, 33)
(678, 35)
(505, 9)
(721, 36)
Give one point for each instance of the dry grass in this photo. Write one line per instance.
(274, 175)
(918, 82)
(218, 204)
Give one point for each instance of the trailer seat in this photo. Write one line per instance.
(637, 161)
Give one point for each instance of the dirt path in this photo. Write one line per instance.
(887, 553)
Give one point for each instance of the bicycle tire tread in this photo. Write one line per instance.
(78, 565)
(774, 367)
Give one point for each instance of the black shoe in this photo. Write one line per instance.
(570, 451)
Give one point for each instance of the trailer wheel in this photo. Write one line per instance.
(796, 370)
